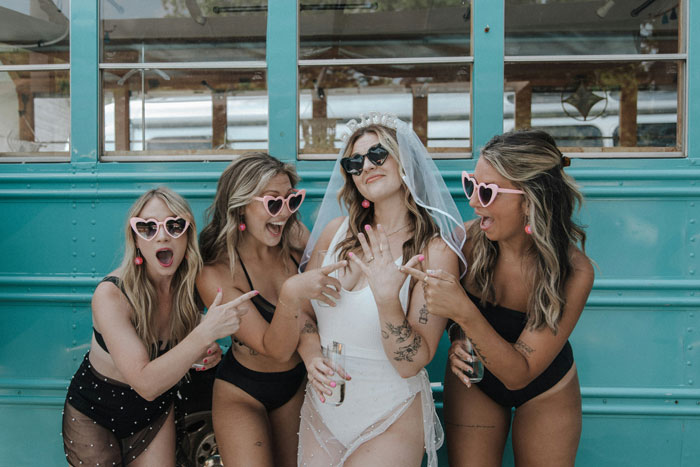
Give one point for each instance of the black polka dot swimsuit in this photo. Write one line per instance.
(106, 422)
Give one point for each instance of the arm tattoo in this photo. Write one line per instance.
(403, 331)
(524, 347)
(309, 328)
(407, 352)
(478, 351)
(423, 312)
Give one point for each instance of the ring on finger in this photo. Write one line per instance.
(371, 258)
(425, 279)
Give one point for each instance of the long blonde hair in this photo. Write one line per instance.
(420, 222)
(531, 160)
(140, 291)
(243, 179)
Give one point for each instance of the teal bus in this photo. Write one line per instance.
(101, 100)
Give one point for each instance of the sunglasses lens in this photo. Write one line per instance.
(176, 227)
(352, 165)
(468, 187)
(485, 195)
(377, 155)
(294, 202)
(146, 230)
(274, 206)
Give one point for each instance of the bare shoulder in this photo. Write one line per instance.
(583, 272)
(582, 264)
(329, 231)
(108, 301)
(216, 275)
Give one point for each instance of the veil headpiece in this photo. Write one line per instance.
(421, 176)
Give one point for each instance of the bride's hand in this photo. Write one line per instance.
(384, 277)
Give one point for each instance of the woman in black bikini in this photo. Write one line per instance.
(255, 238)
(119, 407)
(526, 286)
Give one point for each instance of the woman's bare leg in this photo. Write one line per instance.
(161, 451)
(476, 427)
(285, 428)
(241, 427)
(401, 444)
(547, 428)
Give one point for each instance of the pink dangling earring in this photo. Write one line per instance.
(528, 229)
(138, 261)
(365, 203)
(241, 226)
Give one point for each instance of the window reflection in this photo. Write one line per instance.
(184, 111)
(434, 99)
(378, 29)
(182, 30)
(628, 104)
(34, 112)
(586, 27)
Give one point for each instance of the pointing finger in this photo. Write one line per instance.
(332, 267)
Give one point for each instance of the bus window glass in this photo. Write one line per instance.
(183, 79)
(386, 29)
(585, 27)
(184, 112)
(34, 80)
(433, 98)
(182, 31)
(614, 97)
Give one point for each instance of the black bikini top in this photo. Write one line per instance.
(264, 307)
(98, 336)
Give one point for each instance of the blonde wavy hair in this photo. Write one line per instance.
(243, 179)
(140, 291)
(531, 160)
(420, 222)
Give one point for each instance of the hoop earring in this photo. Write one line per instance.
(138, 261)
(528, 229)
(365, 204)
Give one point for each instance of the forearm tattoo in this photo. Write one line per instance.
(403, 331)
(478, 351)
(423, 314)
(524, 347)
(309, 328)
(407, 352)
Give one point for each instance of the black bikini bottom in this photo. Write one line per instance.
(273, 389)
(497, 391)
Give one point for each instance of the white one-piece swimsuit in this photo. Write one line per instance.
(376, 396)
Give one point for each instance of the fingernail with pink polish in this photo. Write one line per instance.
(323, 399)
(421, 258)
(209, 352)
(204, 361)
(350, 254)
(367, 227)
(332, 384)
(256, 292)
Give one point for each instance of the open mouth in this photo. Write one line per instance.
(165, 257)
(275, 228)
(485, 223)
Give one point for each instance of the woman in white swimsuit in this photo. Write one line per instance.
(389, 206)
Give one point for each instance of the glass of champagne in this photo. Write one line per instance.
(336, 360)
(477, 372)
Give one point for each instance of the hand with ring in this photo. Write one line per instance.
(384, 278)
